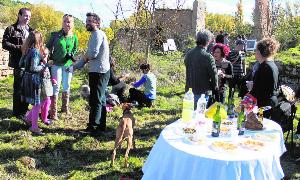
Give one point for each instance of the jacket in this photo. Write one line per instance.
(13, 38)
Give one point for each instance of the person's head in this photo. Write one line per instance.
(220, 38)
(92, 21)
(266, 49)
(145, 67)
(112, 62)
(68, 23)
(34, 40)
(24, 16)
(203, 38)
(239, 45)
(219, 51)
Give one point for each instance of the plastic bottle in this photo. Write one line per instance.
(188, 106)
(201, 104)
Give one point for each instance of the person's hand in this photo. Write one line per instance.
(249, 85)
(70, 69)
(85, 58)
(50, 62)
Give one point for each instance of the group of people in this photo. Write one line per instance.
(208, 73)
(40, 69)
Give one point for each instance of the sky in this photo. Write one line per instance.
(105, 8)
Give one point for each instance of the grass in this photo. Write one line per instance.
(64, 153)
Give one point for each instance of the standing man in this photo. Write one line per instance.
(201, 71)
(13, 38)
(97, 56)
(237, 60)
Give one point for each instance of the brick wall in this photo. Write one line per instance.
(4, 55)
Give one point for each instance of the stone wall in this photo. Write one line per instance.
(4, 55)
(288, 75)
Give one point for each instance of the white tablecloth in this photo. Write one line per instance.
(175, 157)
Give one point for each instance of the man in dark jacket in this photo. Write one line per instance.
(201, 71)
(13, 38)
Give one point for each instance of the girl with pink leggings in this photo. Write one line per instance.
(36, 86)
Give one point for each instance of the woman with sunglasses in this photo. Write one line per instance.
(63, 46)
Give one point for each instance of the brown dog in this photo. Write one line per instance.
(124, 132)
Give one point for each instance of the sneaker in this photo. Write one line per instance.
(88, 130)
(297, 136)
(26, 121)
(48, 122)
(37, 131)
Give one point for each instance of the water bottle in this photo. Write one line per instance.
(201, 104)
(188, 106)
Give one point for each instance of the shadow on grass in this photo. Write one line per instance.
(5, 113)
(170, 94)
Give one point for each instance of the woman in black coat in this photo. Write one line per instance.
(265, 81)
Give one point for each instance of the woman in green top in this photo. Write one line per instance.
(63, 45)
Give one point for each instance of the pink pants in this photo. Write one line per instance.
(33, 114)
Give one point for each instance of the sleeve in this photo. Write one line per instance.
(79, 64)
(49, 43)
(76, 44)
(94, 47)
(6, 42)
(140, 82)
(229, 71)
(113, 80)
(35, 62)
(213, 72)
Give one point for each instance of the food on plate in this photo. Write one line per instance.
(252, 122)
(228, 123)
(252, 144)
(223, 146)
(189, 130)
(265, 137)
(196, 140)
(210, 112)
(224, 130)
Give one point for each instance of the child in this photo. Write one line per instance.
(33, 80)
(145, 98)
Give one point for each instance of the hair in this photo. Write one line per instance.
(220, 38)
(224, 49)
(34, 40)
(267, 47)
(203, 37)
(21, 11)
(95, 17)
(145, 66)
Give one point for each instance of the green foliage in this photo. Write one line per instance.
(287, 26)
(218, 22)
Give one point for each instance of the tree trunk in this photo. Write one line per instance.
(262, 19)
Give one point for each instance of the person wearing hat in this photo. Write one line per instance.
(148, 80)
(237, 60)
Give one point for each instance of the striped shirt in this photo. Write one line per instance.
(236, 60)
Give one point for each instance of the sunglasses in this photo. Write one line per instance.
(68, 15)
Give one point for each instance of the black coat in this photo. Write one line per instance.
(13, 38)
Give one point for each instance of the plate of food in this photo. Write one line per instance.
(252, 144)
(265, 136)
(227, 123)
(223, 146)
(194, 140)
(189, 130)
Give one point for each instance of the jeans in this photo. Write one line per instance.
(19, 107)
(61, 74)
(97, 100)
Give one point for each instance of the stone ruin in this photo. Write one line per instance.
(4, 56)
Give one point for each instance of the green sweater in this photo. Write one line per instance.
(59, 46)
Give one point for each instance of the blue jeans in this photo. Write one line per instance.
(61, 74)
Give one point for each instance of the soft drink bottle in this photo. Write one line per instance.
(188, 106)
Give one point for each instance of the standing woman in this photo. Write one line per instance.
(265, 80)
(63, 45)
(225, 70)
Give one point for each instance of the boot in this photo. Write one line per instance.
(65, 103)
(53, 108)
